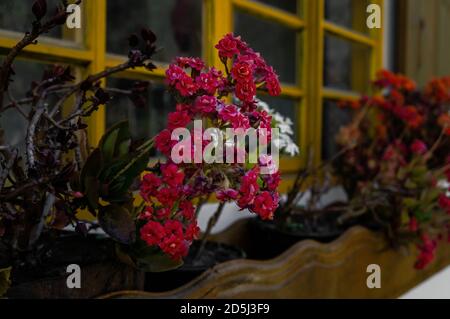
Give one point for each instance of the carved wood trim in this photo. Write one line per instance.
(311, 270)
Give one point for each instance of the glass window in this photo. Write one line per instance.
(346, 64)
(146, 121)
(16, 15)
(348, 13)
(287, 5)
(287, 108)
(177, 23)
(277, 44)
(11, 121)
(334, 118)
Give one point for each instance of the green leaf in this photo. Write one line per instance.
(89, 178)
(115, 142)
(118, 223)
(137, 163)
(5, 281)
(145, 258)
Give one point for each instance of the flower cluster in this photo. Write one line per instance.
(398, 148)
(172, 191)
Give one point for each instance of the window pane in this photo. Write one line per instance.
(334, 118)
(276, 43)
(346, 65)
(287, 5)
(177, 23)
(16, 15)
(11, 121)
(145, 122)
(348, 13)
(287, 108)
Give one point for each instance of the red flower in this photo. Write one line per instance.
(149, 185)
(413, 224)
(427, 250)
(209, 82)
(228, 46)
(246, 91)
(178, 120)
(147, 214)
(242, 71)
(272, 181)
(419, 147)
(206, 104)
(173, 227)
(444, 202)
(164, 142)
(174, 246)
(272, 83)
(152, 233)
(194, 63)
(167, 197)
(172, 175)
(174, 74)
(192, 231)
(264, 205)
(163, 213)
(227, 194)
(187, 209)
(186, 86)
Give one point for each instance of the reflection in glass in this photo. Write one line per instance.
(348, 13)
(334, 118)
(346, 65)
(147, 121)
(287, 5)
(177, 23)
(16, 15)
(276, 43)
(12, 122)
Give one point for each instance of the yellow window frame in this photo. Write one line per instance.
(309, 92)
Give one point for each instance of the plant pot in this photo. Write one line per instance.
(311, 270)
(272, 238)
(213, 254)
(100, 272)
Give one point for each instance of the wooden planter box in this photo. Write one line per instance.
(309, 270)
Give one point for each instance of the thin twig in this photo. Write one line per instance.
(211, 223)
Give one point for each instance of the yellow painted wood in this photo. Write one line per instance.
(334, 94)
(96, 42)
(348, 33)
(48, 50)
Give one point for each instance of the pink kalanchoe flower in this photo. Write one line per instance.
(228, 46)
(273, 84)
(194, 63)
(192, 231)
(174, 246)
(164, 143)
(187, 209)
(246, 91)
(227, 194)
(419, 147)
(149, 185)
(174, 74)
(172, 175)
(152, 233)
(147, 214)
(178, 120)
(186, 86)
(242, 71)
(206, 104)
(264, 205)
(208, 82)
